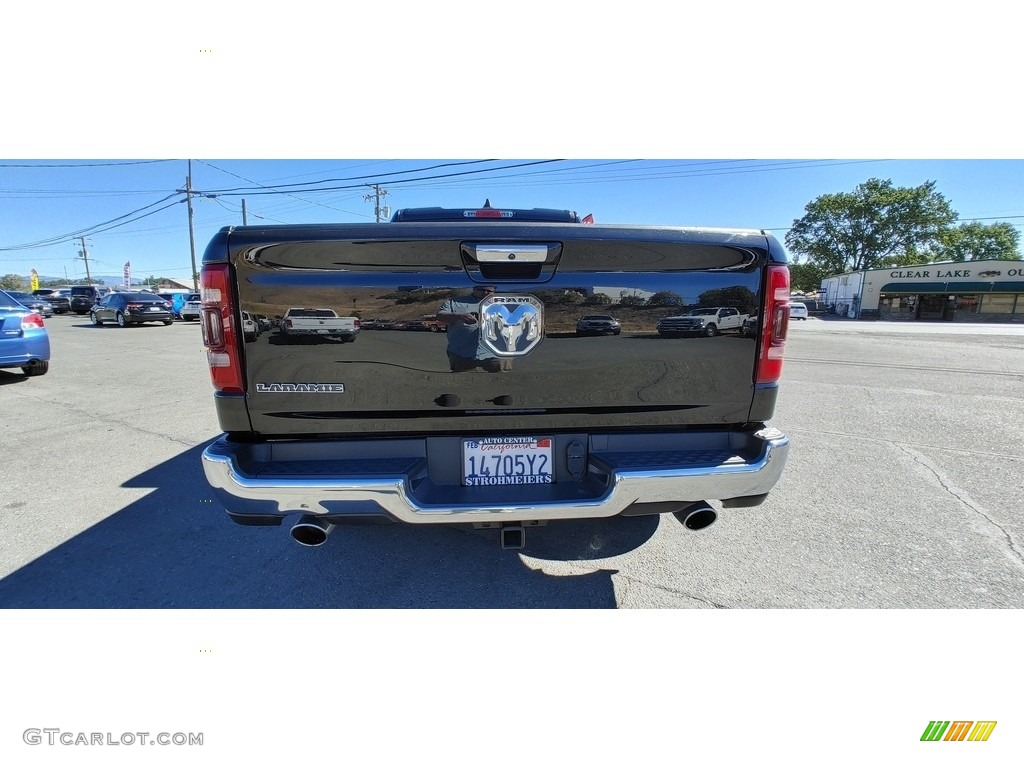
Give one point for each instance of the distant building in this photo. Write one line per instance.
(618, 292)
(168, 285)
(989, 291)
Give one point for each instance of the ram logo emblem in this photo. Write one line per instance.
(512, 325)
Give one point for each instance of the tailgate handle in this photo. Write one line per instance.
(496, 261)
(509, 254)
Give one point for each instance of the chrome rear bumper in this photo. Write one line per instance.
(394, 478)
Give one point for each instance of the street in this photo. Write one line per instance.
(901, 491)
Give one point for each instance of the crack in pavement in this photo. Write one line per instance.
(962, 497)
(106, 418)
(679, 593)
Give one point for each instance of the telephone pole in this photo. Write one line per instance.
(245, 219)
(379, 192)
(84, 255)
(191, 225)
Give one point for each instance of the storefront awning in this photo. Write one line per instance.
(1011, 286)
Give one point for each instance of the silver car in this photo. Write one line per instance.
(192, 307)
(597, 325)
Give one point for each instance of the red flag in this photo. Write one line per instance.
(588, 219)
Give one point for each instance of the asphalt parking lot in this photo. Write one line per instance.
(903, 490)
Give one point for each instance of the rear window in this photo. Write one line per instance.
(192, 297)
(597, 317)
(311, 313)
(8, 300)
(141, 297)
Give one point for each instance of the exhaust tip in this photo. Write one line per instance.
(311, 531)
(697, 516)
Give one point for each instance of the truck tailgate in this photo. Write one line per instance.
(395, 378)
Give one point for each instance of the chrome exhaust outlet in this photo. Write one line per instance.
(697, 516)
(512, 537)
(311, 531)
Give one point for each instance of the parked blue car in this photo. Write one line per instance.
(177, 301)
(24, 342)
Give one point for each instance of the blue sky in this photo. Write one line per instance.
(46, 199)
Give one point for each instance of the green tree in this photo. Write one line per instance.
(561, 296)
(665, 299)
(742, 298)
(974, 241)
(876, 225)
(12, 282)
(598, 299)
(632, 300)
(806, 277)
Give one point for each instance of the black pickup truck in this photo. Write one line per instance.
(501, 421)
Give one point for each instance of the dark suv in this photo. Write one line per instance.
(83, 297)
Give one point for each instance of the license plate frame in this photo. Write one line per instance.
(507, 460)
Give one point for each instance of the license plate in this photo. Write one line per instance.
(155, 309)
(507, 461)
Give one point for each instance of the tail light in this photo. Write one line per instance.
(31, 320)
(358, 326)
(774, 326)
(217, 321)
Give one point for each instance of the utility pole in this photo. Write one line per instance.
(379, 192)
(84, 255)
(245, 220)
(191, 226)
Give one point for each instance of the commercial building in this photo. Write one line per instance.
(962, 291)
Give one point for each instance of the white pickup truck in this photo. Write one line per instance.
(704, 321)
(309, 321)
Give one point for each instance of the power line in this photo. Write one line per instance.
(81, 165)
(49, 194)
(262, 186)
(58, 239)
(357, 178)
(646, 175)
(251, 191)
